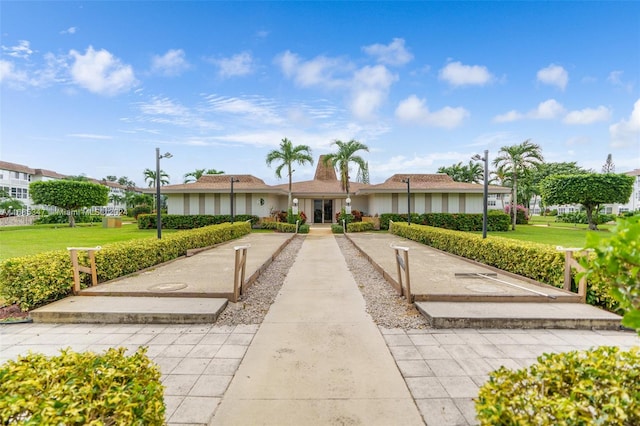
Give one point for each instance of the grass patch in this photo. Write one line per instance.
(27, 240)
(550, 221)
(555, 236)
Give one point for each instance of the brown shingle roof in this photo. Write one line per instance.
(320, 187)
(219, 183)
(13, 167)
(324, 172)
(428, 183)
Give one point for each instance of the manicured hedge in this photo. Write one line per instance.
(81, 388)
(291, 227)
(359, 227)
(540, 262)
(337, 229)
(496, 220)
(592, 387)
(176, 221)
(32, 281)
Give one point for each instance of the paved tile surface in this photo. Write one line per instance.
(197, 362)
(445, 368)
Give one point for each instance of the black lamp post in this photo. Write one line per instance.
(485, 193)
(158, 203)
(233, 180)
(408, 182)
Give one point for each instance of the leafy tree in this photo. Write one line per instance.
(77, 178)
(11, 204)
(69, 195)
(540, 171)
(618, 259)
(150, 177)
(516, 160)
(471, 173)
(608, 166)
(346, 154)
(591, 190)
(197, 174)
(133, 199)
(110, 178)
(286, 156)
(125, 181)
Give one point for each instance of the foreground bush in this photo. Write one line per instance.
(539, 262)
(291, 228)
(593, 387)
(81, 388)
(178, 221)
(359, 227)
(32, 281)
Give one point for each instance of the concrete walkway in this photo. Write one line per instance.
(318, 358)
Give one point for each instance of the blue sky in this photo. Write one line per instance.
(94, 87)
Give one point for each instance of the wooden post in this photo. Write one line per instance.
(402, 264)
(77, 268)
(239, 271)
(571, 262)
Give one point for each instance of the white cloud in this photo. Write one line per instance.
(547, 110)
(21, 50)
(9, 74)
(627, 132)
(102, 73)
(370, 89)
(320, 71)
(615, 78)
(588, 115)
(414, 110)
(90, 136)
(554, 75)
(172, 63)
(236, 65)
(393, 53)
(163, 106)
(508, 117)
(70, 30)
(417, 164)
(262, 34)
(458, 74)
(261, 110)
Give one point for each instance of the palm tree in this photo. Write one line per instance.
(472, 173)
(516, 160)
(197, 174)
(345, 155)
(287, 155)
(150, 177)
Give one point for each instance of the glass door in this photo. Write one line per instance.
(317, 211)
(328, 211)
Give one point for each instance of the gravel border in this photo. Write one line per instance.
(387, 309)
(255, 303)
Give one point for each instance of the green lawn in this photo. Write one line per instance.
(25, 240)
(556, 236)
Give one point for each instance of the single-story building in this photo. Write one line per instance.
(323, 197)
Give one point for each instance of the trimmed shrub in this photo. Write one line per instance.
(176, 221)
(496, 220)
(138, 210)
(269, 225)
(32, 281)
(337, 229)
(82, 388)
(593, 387)
(539, 262)
(64, 218)
(291, 228)
(360, 227)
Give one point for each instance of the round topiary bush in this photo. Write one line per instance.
(592, 387)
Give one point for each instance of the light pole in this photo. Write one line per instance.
(233, 180)
(408, 182)
(485, 194)
(158, 203)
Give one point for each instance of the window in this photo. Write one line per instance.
(491, 203)
(16, 175)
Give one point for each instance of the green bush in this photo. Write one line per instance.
(64, 218)
(593, 387)
(269, 225)
(82, 388)
(337, 229)
(581, 217)
(177, 221)
(291, 228)
(360, 227)
(496, 220)
(539, 262)
(138, 210)
(32, 281)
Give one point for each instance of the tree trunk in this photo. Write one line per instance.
(514, 197)
(592, 225)
(72, 220)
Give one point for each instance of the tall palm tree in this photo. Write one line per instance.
(472, 173)
(516, 160)
(286, 156)
(197, 174)
(150, 177)
(345, 155)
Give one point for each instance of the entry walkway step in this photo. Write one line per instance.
(131, 310)
(517, 315)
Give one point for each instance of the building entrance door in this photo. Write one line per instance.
(322, 211)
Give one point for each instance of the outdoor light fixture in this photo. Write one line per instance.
(408, 182)
(158, 203)
(233, 180)
(295, 206)
(347, 209)
(485, 194)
